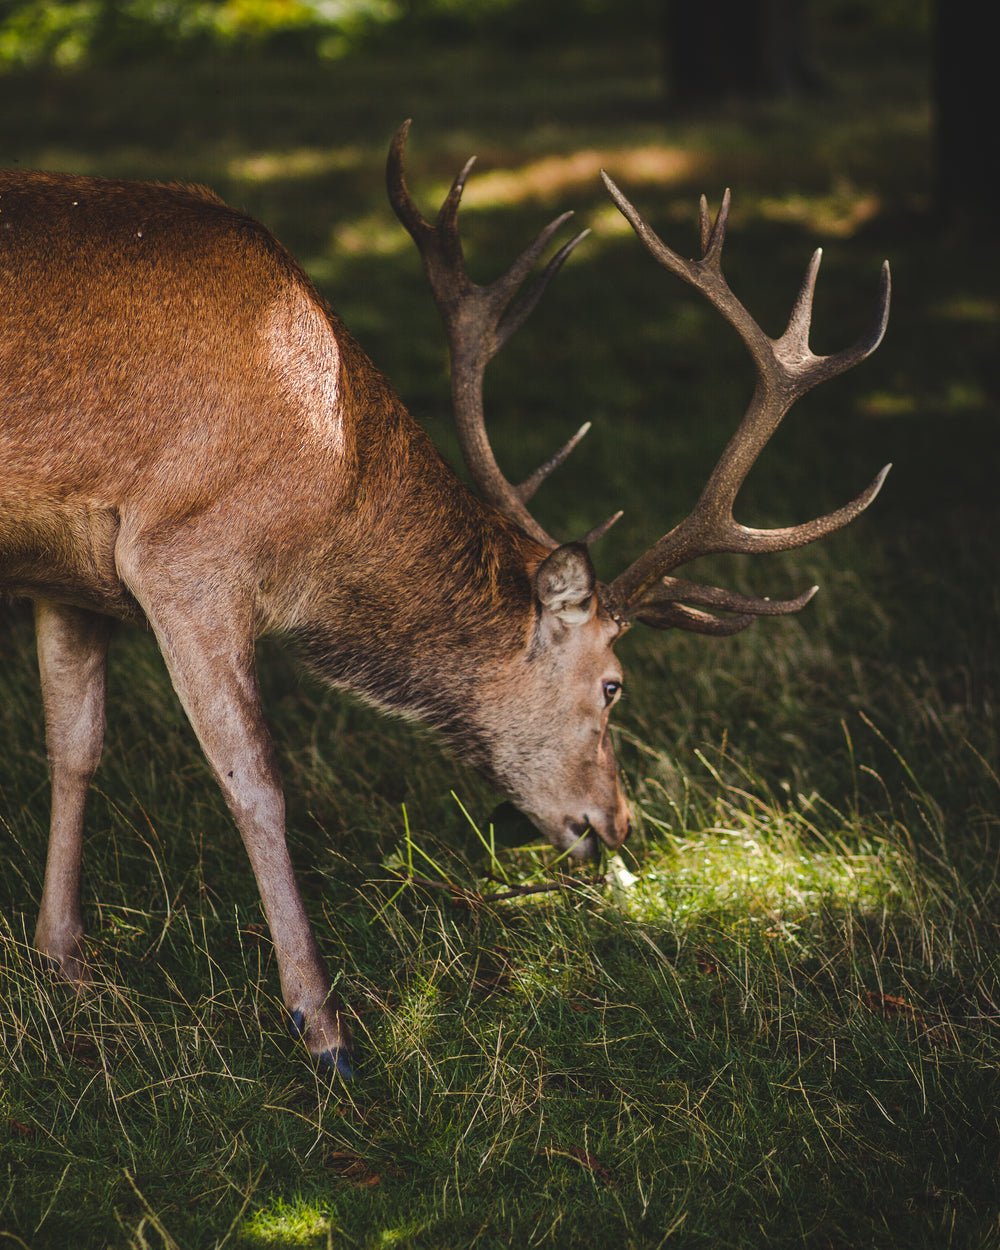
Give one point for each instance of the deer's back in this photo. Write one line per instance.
(161, 357)
(143, 323)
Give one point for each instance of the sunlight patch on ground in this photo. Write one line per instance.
(552, 176)
(958, 396)
(888, 404)
(838, 214)
(774, 875)
(298, 163)
(375, 234)
(302, 1224)
(286, 1224)
(542, 179)
(974, 309)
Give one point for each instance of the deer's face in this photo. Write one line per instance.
(545, 716)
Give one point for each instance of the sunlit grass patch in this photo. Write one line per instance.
(839, 213)
(775, 876)
(287, 1223)
(302, 162)
(547, 178)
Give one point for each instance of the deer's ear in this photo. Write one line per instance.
(565, 584)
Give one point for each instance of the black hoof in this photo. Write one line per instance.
(336, 1061)
(46, 964)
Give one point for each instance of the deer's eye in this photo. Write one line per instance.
(612, 689)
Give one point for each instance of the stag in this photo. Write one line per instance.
(191, 441)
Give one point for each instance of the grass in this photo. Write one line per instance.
(784, 1030)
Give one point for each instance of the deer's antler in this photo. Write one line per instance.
(786, 368)
(479, 320)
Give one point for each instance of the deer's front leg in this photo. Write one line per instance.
(211, 664)
(72, 661)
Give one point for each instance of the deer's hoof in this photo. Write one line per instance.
(70, 969)
(336, 1060)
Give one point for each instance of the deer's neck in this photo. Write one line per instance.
(421, 590)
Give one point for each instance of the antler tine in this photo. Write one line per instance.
(534, 480)
(478, 321)
(704, 222)
(713, 236)
(676, 590)
(676, 616)
(514, 318)
(786, 368)
(600, 530)
(793, 346)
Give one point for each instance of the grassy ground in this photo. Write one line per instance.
(785, 1032)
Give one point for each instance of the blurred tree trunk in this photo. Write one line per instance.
(966, 112)
(726, 48)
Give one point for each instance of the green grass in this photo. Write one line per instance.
(784, 1032)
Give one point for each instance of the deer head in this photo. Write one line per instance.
(580, 621)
